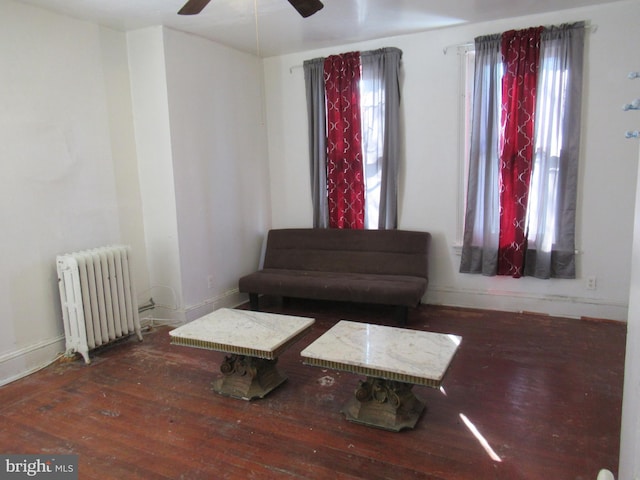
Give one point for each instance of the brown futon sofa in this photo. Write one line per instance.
(387, 267)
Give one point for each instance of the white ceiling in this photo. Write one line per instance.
(278, 29)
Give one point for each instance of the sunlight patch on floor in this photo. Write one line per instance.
(483, 441)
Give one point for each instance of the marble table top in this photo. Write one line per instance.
(400, 354)
(243, 332)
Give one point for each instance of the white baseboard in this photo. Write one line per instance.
(555, 305)
(24, 361)
(164, 315)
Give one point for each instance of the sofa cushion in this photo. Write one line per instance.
(390, 252)
(341, 286)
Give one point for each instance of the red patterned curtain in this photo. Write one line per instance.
(345, 177)
(520, 51)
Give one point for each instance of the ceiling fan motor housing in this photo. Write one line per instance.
(306, 8)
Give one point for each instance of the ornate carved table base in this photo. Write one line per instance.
(247, 377)
(252, 343)
(385, 404)
(393, 360)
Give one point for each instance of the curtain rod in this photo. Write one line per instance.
(365, 53)
(445, 50)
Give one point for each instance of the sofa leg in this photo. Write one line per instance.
(401, 315)
(253, 302)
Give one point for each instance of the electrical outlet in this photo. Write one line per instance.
(592, 282)
(210, 281)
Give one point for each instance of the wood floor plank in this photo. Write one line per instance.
(543, 395)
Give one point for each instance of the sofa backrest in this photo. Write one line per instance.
(390, 252)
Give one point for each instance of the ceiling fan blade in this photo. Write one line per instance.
(193, 7)
(306, 8)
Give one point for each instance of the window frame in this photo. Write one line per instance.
(466, 72)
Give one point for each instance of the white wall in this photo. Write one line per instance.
(141, 138)
(65, 147)
(155, 164)
(218, 146)
(203, 168)
(630, 431)
(115, 68)
(429, 178)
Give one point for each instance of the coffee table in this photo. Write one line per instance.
(393, 359)
(254, 341)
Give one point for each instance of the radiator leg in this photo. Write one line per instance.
(85, 355)
(253, 302)
(139, 333)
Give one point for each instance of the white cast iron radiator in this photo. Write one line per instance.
(99, 304)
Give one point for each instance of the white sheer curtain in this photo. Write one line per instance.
(372, 106)
(380, 105)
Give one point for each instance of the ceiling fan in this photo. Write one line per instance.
(306, 8)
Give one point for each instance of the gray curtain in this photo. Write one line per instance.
(316, 113)
(382, 67)
(379, 66)
(554, 178)
(482, 220)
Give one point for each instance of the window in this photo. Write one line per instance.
(353, 110)
(519, 216)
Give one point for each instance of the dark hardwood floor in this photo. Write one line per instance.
(543, 394)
